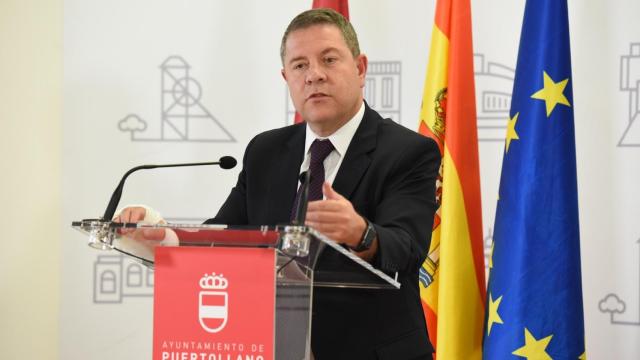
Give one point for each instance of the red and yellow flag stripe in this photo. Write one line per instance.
(453, 288)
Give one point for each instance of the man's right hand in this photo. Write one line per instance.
(133, 214)
(136, 214)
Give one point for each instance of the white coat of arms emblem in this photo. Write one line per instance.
(213, 308)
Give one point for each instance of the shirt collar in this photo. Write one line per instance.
(341, 138)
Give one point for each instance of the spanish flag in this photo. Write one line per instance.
(452, 282)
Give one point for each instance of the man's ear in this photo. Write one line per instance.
(361, 64)
(284, 76)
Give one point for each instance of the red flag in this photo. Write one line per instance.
(341, 6)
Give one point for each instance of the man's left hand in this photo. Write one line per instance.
(336, 218)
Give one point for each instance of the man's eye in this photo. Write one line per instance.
(330, 60)
(299, 66)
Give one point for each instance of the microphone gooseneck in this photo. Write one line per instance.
(225, 162)
(301, 209)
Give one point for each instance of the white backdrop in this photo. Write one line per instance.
(180, 81)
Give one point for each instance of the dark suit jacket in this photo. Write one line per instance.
(388, 174)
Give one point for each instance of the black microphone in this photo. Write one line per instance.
(301, 209)
(225, 162)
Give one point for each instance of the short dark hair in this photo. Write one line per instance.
(322, 16)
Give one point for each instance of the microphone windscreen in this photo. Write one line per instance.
(303, 176)
(228, 162)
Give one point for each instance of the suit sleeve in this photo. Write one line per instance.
(404, 215)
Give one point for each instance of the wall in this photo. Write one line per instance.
(30, 138)
(127, 68)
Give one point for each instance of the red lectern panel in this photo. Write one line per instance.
(210, 305)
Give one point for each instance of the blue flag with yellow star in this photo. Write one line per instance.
(534, 300)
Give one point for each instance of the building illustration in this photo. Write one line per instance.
(382, 88)
(630, 83)
(487, 244)
(494, 84)
(116, 277)
(183, 117)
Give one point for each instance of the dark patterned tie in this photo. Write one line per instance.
(320, 149)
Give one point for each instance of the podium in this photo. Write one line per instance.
(235, 292)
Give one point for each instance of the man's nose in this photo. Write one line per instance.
(315, 74)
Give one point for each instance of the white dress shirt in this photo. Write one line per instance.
(340, 140)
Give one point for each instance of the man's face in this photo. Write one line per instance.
(325, 80)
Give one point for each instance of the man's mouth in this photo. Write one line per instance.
(316, 95)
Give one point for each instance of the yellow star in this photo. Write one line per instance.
(511, 130)
(583, 356)
(534, 349)
(551, 93)
(494, 317)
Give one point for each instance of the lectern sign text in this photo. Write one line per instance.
(213, 303)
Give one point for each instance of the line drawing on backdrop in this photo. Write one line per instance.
(382, 88)
(613, 304)
(487, 243)
(116, 277)
(381, 91)
(494, 84)
(630, 82)
(183, 117)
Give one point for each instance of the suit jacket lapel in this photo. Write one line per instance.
(357, 159)
(284, 182)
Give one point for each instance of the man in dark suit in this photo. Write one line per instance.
(375, 192)
(381, 175)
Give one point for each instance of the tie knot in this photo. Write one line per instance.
(320, 149)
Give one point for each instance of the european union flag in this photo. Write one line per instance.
(534, 302)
